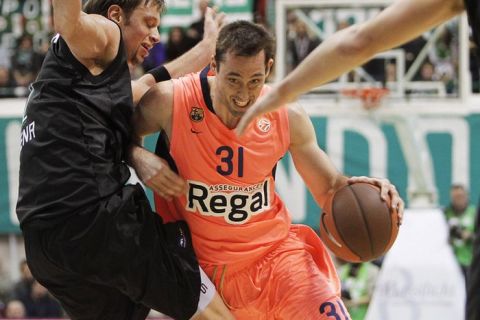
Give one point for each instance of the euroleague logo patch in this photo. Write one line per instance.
(264, 125)
(197, 114)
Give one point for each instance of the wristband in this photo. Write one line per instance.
(160, 74)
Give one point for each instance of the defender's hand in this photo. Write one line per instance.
(157, 175)
(270, 102)
(214, 21)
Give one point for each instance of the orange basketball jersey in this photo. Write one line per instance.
(231, 205)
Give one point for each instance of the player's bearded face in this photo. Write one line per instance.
(241, 81)
(140, 32)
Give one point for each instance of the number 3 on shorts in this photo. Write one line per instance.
(328, 308)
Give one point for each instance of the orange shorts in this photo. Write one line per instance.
(296, 280)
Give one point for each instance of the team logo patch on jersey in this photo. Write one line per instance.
(236, 204)
(264, 125)
(197, 114)
(28, 132)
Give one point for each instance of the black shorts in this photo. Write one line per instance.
(118, 262)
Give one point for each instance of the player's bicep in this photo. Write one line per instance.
(313, 164)
(154, 111)
(93, 37)
(139, 88)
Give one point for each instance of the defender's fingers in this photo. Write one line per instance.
(244, 122)
(220, 19)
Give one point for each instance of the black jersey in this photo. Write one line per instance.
(75, 135)
(473, 11)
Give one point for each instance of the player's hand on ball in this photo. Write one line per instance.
(387, 191)
(157, 175)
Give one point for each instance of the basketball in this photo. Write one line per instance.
(357, 225)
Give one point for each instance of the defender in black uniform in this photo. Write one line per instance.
(402, 21)
(92, 240)
(473, 285)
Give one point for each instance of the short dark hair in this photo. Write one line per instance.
(101, 6)
(244, 38)
(458, 186)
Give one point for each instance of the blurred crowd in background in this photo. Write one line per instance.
(22, 55)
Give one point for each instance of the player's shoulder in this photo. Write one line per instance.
(159, 94)
(188, 82)
(295, 111)
(162, 88)
(299, 123)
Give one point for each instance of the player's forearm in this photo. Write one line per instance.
(324, 194)
(193, 60)
(66, 14)
(135, 150)
(319, 174)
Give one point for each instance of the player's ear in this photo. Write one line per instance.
(269, 67)
(213, 64)
(115, 13)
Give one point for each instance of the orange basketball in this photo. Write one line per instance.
(357, 225)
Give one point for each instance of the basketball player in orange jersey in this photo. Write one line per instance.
(400, 22)
(223, 185)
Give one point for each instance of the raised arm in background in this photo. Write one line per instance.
(400, 22)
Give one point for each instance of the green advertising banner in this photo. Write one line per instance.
(184, 12)
(24, 16)
(357, 145)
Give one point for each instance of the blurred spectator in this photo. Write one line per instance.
(358, 283)
(460, 216)
(474, 66)
(301, 44)
(427, 72)
(15, 310)
(40, 54)
(34, 297)
(23, 287)
(342, 24)
(444, 57)
(177, 44)
(412, 49)
(5, 78)
(156, 57)
(195, 30)
(24, 62)
(4, 58)
(291, 24)
(259, 12)
(2, 308)
(40, 304)
(391, 72)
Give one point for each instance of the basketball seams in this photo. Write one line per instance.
(341, 231)
(390, 221)
(364, 218)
